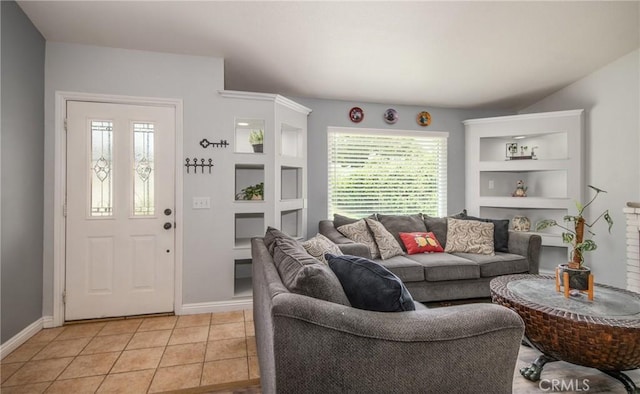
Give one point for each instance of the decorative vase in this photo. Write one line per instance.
(257, 148)
(521, 223)
(578, 278)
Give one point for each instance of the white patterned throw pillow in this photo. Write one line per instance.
(359, 232)
(319, 245)
(387, 244)
(469, 236)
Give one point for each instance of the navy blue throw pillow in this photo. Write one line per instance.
(368, 285)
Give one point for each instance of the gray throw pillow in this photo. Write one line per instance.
(397, 224)
(270, 238)
(369, 285)
(303, 274)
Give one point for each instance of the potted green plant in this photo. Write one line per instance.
(574, 234)
(255, 192)
(256, 139)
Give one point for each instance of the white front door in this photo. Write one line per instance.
(120, 210)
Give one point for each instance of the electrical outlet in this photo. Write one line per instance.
(201, 203)
(491, 184)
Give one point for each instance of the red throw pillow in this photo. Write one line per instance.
(421, 243)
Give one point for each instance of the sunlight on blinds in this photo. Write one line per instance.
(387, 171)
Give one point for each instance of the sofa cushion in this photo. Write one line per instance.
(444, 266)
(303, 274)
(369, 285)
(421, 242)
(438, 226)
(469, 236)
(386, 243)
(340, 220)
(270, 238)
(396, 224)
(405, 268)
(500, 232)
(500, 264)
(319, 245)
(359, 232)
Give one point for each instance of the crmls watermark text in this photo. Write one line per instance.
(557, 385)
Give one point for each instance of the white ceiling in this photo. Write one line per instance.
(446, 54)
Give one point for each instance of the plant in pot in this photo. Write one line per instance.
(255, 192)
(574, 234)
(256, 139)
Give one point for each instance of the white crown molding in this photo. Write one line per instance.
(538, 115)
(278, 99)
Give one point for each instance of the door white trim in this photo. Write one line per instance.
(60, 182)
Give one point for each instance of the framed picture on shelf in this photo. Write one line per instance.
(511, 149)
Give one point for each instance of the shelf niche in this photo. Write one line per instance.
(291, 222)
(290, 183)
(547, 146)
(291, 141)
(243, 129)
(242, 281)
(247, 175)
(247, 226)
(546, 184)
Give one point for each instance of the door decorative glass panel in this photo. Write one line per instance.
(101, 166)
(143, 169)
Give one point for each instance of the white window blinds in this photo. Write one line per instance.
(387, 171)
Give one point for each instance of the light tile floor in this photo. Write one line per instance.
(139, 355)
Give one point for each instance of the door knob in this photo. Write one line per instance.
(167, 226)
(167, 212)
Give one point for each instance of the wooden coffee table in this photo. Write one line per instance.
(603, 333)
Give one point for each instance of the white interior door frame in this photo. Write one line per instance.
(60, 182)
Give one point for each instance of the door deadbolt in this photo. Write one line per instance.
(167, 212)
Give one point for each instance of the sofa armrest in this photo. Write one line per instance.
(528, 245)
(347, 246)
(468, 348)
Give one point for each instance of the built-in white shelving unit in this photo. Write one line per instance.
(281, 166)
(553, 175)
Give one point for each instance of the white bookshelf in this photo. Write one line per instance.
(554, 175)
(281, 167)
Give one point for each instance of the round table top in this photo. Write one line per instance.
(539, 292)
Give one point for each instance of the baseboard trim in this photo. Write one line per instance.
(219, 306)
(547, 272)
(47, 322)
(23, 336)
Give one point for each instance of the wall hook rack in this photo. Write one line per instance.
(205, 143)
(195, 165)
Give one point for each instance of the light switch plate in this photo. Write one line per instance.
(201, 203)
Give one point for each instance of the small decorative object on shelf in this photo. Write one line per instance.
(205, 144)
(533, 153)
(521, 189)
(521, 223)
(390, 116)
(424, 118)
(356, 114)
(195, 165)
(256, 139)
(255, 192)
(578, 274)
(511, 149)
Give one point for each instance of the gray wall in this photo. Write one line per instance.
(327, 113)
(194, 79)
(610, 97)
(22, 91)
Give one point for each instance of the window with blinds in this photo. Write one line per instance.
(387, 171)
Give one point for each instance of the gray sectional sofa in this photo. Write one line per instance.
(311, 345)
(444, 276)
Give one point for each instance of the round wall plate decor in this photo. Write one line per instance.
(390, 116)
(424, 118)
(356, 114)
